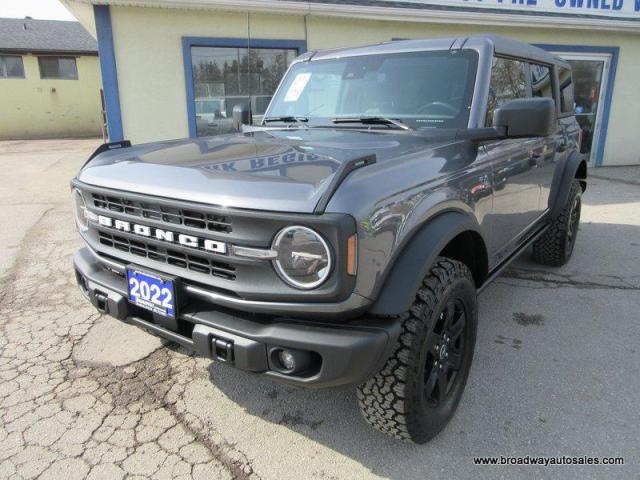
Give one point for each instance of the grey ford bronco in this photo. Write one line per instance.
(344, 239)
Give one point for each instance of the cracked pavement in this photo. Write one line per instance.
(85, 396)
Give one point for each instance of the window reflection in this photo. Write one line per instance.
(541, 83)
(566, 90)
(508, 82)
(224, 77)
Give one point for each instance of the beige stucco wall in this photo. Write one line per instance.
(148, 46)
(32, 107)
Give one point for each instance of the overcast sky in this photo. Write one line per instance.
(40, 9)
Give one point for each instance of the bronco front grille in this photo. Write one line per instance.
(176, 216)
(166, 255)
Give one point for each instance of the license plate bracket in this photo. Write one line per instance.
(152, 291)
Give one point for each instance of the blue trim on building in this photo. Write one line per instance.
(109, 72)
(608, 95)
(188, 42)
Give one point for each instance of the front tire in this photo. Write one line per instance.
(418, 390)
(555, 246)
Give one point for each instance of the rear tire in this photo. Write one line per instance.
(555, 246)
(418, 390)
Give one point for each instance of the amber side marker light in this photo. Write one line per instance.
(352, 254)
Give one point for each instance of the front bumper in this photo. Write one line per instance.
(340, 353)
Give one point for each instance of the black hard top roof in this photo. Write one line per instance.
(501, 46)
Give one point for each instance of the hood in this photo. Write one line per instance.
(274, 170)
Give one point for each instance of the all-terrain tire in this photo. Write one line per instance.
(394, 400)
(555, 246)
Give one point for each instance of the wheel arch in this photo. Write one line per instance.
(581, 174)
(476, 257)
(575, 167)
(450, 234)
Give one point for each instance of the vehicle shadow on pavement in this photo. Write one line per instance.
(330, 417)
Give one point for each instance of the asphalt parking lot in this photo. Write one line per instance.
(555, 371)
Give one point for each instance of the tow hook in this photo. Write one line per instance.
(102, 302)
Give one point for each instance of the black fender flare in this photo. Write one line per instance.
(562, 181)
(416, 258)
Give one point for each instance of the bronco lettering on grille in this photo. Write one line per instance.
(164, 235)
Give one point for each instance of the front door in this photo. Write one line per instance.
(515, 164)
(590, 74)
(545, 151)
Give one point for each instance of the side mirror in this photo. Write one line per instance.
(527, 117)
(241, 116)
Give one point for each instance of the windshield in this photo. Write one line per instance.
(421, 89)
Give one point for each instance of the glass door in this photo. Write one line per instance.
(590, 75)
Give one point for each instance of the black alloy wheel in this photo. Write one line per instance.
(445, 353)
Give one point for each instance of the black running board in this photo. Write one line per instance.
(507, 261)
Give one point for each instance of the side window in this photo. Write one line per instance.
(566, 90)
(541, 84)
(58, 67)
(11, 66)
(508, 82)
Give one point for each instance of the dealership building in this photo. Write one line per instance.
(175, 68)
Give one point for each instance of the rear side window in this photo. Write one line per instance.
(566, 90)
(508, 82)
(541, 84)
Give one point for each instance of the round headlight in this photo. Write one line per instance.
(303, 257)
(79, 208)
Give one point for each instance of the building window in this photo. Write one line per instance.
(225, 76)
(508, 82)
(58, 67)
(11, 66)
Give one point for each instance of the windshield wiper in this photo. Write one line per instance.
(374, 121)
(287, 119)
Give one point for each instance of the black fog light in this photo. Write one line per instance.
(289, 361)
